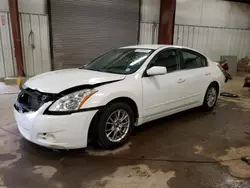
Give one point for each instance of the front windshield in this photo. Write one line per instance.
(120, 61)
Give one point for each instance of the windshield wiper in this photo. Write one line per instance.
(99, 70)
(102, 70)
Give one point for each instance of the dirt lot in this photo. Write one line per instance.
(192, 149)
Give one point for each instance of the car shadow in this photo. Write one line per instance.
(171, 120)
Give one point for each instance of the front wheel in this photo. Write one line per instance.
(115, 125)
(210, 98)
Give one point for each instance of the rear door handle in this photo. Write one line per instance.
(208, 73)
(181, 80)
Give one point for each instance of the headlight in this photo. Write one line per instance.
(23, 86)
(73, 101)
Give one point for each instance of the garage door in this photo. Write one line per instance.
(84, 29)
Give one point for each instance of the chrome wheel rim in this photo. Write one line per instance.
(117, 125)
(211, 97)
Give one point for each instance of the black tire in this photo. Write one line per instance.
(102, 139)
(206, 106)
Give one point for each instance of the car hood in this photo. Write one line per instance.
(58, 81)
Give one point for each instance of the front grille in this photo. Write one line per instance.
(31, 100)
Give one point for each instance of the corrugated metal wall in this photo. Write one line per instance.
(149, 23)
(214, 41)
(7, 63)
(84, 29)
(36, 47)
(204, 25)
(214, 13)
(35, 41)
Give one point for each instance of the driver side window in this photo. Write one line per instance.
(168, 59)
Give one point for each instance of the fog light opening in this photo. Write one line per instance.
(48, 136)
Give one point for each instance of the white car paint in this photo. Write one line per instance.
(69, 131)
(64, 79)
(155, 97)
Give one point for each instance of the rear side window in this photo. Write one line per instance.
(192, 60)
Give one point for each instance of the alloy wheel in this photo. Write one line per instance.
(211, 96)
(117, 125)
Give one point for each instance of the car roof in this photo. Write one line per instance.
(157, 46)
(145, 46)
(154, 46)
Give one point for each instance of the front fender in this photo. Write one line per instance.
(116, 95)
(102, 99)
(110, 92)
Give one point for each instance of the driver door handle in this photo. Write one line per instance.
(181, 80)
(208, 73)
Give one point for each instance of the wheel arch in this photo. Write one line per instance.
(92, 128)
(129, 102)
(217, 86)
(213, 82)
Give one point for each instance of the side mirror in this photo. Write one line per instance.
(156, 70)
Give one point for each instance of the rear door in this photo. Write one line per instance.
(197, 75)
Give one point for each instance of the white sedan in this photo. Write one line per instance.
(103, 100)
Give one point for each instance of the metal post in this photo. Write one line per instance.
(14, 17)
(167, 18)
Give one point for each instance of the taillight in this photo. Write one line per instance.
(222, 70)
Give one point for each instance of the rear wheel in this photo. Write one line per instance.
(210, 97)
(115, 125)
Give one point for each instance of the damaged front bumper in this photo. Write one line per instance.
(55, 131)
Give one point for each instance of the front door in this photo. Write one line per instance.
(163, 94)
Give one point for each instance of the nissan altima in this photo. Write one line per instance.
(105, 99)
